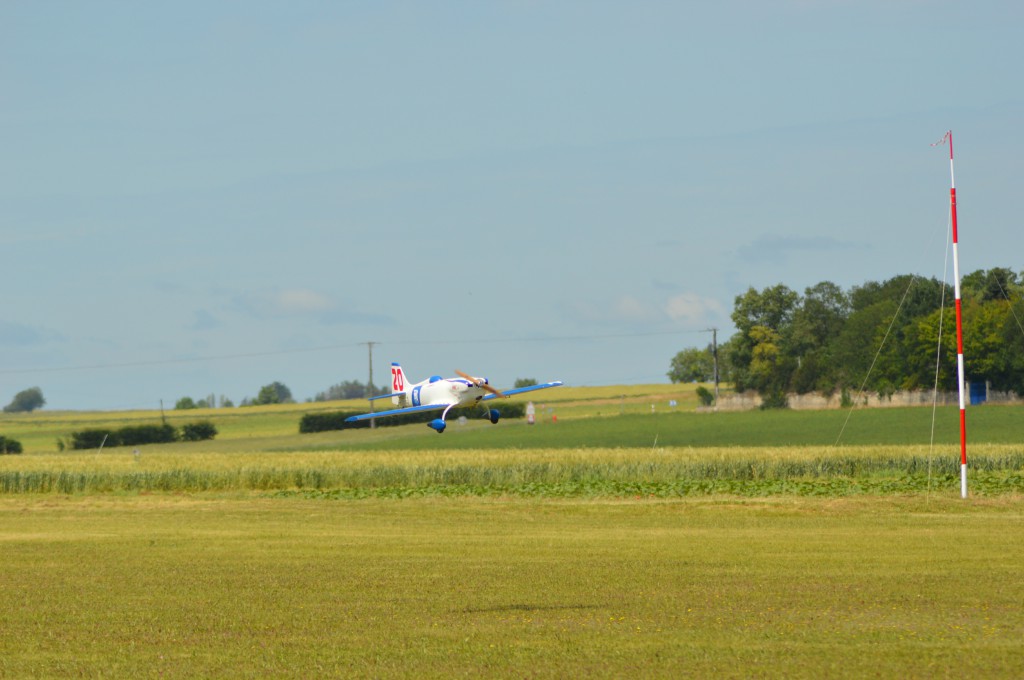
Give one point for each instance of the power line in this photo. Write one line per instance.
(326, 348)
(186, 360)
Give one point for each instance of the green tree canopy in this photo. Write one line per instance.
(26, 401)
(997, 283)
(274, 393)
(769, 310)
(882, 336)
(692, 364)
(349, 389)
(184, 404)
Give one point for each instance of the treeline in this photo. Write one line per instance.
(882, 336)
(279, 393)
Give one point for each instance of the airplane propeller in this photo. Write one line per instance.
(479, 382)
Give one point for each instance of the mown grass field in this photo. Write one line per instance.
(206, 586)
(616, 541)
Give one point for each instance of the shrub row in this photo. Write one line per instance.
(9, 445)
(135, 435)
(335, 420)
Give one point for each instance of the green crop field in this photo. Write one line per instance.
(609, 539)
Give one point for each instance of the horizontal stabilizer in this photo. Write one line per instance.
(387, 396)
(395, 412)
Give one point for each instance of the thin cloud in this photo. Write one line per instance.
(204, 321)
(13, 334)
(785, 247)
(299, 303)
(683, 308)
(692, 309)
(622, 309)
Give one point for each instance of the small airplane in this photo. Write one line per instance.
(442, 394)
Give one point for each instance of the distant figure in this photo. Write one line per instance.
(531, 413)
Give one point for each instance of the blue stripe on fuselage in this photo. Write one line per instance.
(416, 395)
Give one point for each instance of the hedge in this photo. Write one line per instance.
(10, 446)
(201, 431)
(335, 420)
(135, 435)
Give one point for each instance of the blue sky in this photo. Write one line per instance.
(203, 197)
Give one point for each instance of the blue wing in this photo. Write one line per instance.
(396, 411)
(520, 390)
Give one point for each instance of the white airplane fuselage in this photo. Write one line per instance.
(439, 391)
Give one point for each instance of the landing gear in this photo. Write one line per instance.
(439, 424)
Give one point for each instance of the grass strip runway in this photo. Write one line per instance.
(242, 586)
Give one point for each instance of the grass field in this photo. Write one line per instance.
(178, 586)
(278, 425)
(614, 541)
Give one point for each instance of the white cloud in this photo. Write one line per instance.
(283, 303)
(304, 303)
(687, 309)
(622, 309)
(692, 309)
(628, 308)
(300, 301)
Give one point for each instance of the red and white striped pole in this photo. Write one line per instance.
(959, 320)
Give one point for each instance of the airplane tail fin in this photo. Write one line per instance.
(398, 384)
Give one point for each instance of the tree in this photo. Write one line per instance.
(692, 365)
(1010, 360)
(769, 374)
(274, 393)
(524, 382)
(184, 404)
(26, 401)
(853, 350)
(916, 295)
(349, 389)
(997, 283)
(993, 344)
(817, 322)
(771, 310)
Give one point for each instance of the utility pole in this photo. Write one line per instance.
(369, 384)
(714, 357)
